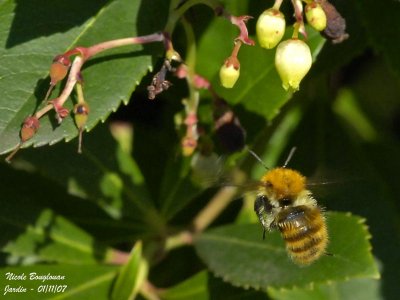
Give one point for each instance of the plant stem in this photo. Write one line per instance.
(149, 291)
(72, 79)
(206, 216)
(298, 9)
(189, 142)
(214, 208)
(190, 63)
(96, 49)
(87, 53)
(117, 257)
(214, 4)
(182, 238)
(296, 28)
(236, 48)
(277, 4)
(176, 13)
(79, 92)
(299, 25)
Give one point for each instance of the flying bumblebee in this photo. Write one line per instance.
(284, 203)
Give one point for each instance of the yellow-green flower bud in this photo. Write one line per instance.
(270, 28)
(293, 61)
(81, 111)
(172, 55)
(229, 72)
(315, 16)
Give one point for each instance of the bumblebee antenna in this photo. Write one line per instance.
(258, 158)
(292, 151)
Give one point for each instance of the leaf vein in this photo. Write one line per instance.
(244, 243)
(87, 285)
(254, 83)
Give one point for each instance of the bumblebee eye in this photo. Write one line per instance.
(285, 202)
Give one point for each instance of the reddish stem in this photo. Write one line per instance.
(298, 12)
(236, 48)
(240, 22)
(96, 49)
(118, 257)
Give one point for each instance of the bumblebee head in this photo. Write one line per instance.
(283, 185)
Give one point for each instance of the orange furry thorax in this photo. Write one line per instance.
(283, 182)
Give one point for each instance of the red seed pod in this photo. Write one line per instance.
(29, 128)
(59, 68)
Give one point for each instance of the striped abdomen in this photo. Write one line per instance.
(304, 230)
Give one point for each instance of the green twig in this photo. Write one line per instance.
(176, 13)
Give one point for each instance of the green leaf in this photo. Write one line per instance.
(356, 289)
(259, 88)
(382, 29)
(336, 56)
(194, 288)
(109, 78)
(177, 188)
(107, 176)
(50, 238)
(347, 107)
(75, 282)
(360, 178)
(238, 254)
(204, 286)
(131, 276)
(25, 195)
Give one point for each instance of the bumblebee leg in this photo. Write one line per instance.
(273, 225)
(261, 204)
(263, 209)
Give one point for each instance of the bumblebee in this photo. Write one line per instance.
(284, 203)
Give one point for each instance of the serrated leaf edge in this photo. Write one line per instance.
(69, 137)
(361, 221)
